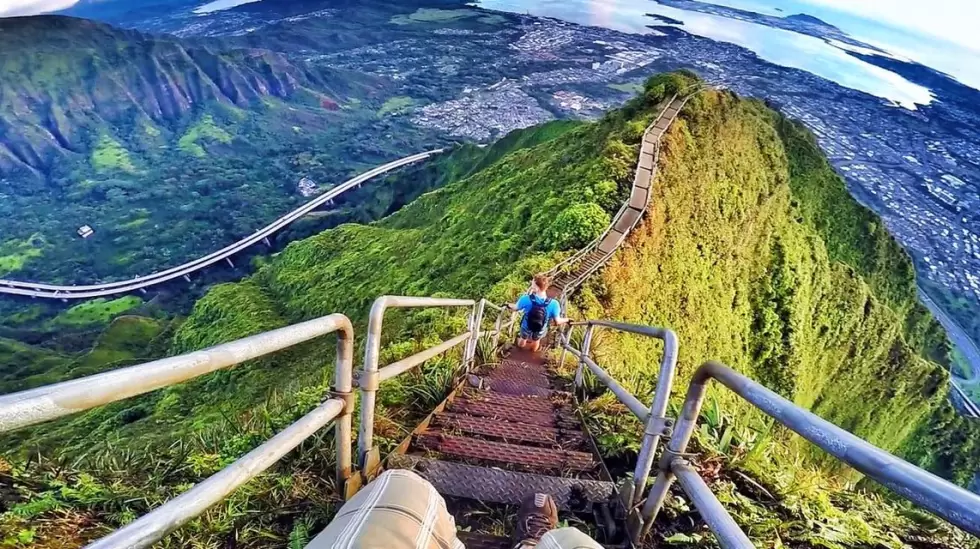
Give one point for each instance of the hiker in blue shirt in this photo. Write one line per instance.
(539, 312)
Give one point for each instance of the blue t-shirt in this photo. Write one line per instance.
(524, 305)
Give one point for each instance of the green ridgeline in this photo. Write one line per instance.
(752, 252)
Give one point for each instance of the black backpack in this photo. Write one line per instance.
(537, 317)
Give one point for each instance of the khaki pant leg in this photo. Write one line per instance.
(399, 510)
(567, 538)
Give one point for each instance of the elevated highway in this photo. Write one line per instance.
(967, 347)
(54, 291)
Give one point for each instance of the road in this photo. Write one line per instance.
(966, 346)
(53, 291)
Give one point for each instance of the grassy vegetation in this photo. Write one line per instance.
(752, 252)
(97, 311)
(395, 105)
(205, 129)
(109, 155)
(14, 254)
(125, 340)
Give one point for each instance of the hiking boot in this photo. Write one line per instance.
(537, 516)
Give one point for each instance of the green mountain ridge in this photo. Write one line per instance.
(168, 148)
(752, 251)
(84, 78)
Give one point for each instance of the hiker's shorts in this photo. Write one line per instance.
(533, 336)
(401, 510)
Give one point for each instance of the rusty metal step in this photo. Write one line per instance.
(555, 418)
(521, 376)
(513, 387)
(508, 431)
(498, 399)
(540, 459)
(491, 485)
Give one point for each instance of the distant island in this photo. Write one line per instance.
(800, 22)
(810, 20)
(665, 19)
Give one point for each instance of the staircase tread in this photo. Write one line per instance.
(555, 418)
(490, 484)
(505, 453)
(508, 431)
(517, 387)
(533, 403)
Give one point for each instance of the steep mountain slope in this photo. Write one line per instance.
(83, 76)
(168, 148)
(752, 252)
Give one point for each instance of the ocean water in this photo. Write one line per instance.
(778, 46)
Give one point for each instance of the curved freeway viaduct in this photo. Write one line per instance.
(34, 289)
(965, 344)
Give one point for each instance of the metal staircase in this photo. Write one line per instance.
(506, 430)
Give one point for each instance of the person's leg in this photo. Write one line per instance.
(536, 340)
(524, 339)
(536, 523)
(567, 538)
(399, 510)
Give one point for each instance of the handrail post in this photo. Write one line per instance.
(370, 378)
(369, 381)
(676, 447)
(564, 339)
(657, 423)
(343, 387)
(476, 322)
(586, 351)
(496, 329)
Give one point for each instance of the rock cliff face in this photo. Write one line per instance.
(63, 80)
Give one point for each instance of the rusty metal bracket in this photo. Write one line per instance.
(660, 426)
(349, 399)
(369, 381)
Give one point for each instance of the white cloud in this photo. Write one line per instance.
(948, 20)
(9, 8)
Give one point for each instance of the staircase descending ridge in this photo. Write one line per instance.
(569, 274)
(516, 433)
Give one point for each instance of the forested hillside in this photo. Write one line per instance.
(168, 148)
(752, 252)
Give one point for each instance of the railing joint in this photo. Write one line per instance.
(659, 426)
(349, 398)
(368, 380)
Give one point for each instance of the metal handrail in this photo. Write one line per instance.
(61, 399)
(656, 424)
(370, 377)
(943, 498)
